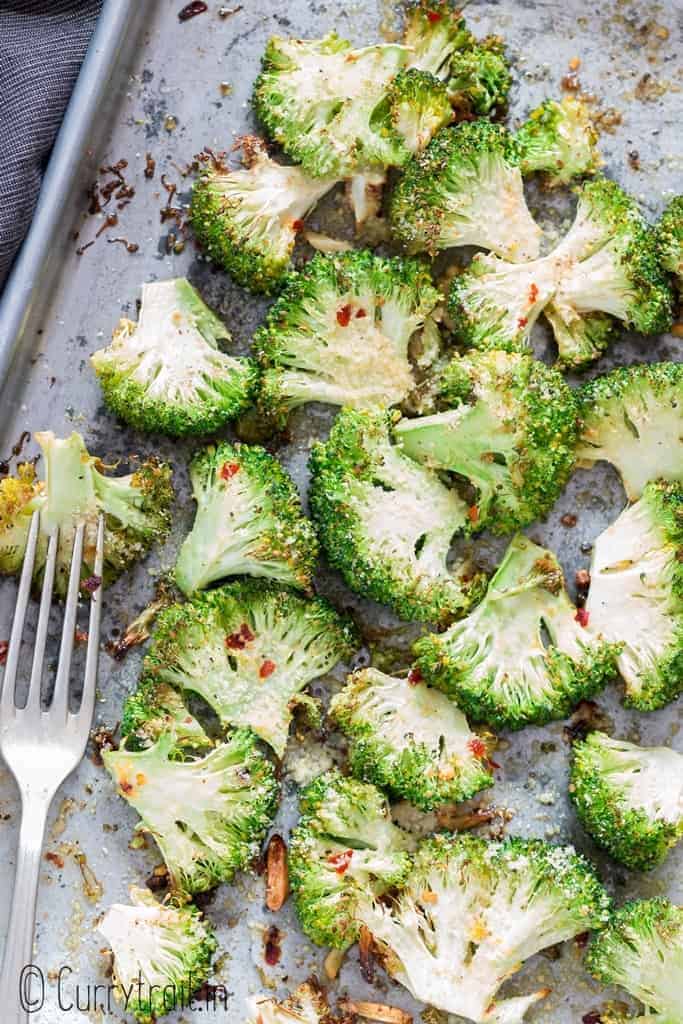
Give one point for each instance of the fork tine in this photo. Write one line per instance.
(85, 711)
(60, 698)
(33, 700)
(10, 677)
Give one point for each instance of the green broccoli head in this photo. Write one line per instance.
(249, 521)
(581, 339)
(345, 848)
(413, 109)
(153, 708)
(387, 523)
(521, 657)
(208, 815)
(633, 418)
(246, 220)
(340, 331)
(317, 99)
(167, 373)
(642, 951)
(248, 649)
(509, 428)
(136, 510)
(480, 79)
(436, 34)
(473, 911)
(636, 595)
(670, 239)
(629, 798)
(609, 263)
(560, 140)
(410, 740)
(306, 1005)
(465, 189)
(162, 953)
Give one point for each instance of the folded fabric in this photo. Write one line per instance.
(42, 45)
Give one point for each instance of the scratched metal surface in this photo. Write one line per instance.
(177, 71)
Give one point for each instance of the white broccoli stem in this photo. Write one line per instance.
(69, 482)
(596, 284)
(364, 192)
(513, 1011)
(647, 778)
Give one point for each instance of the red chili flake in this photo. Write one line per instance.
(4, 648)
(297, 225)
(192, 10)
(360, 314)
(473, 514)
(341, 862)
(228, 470)
(477, 747)
(271, 946)
(55, 858)
(414, 676)
(235, 642)
(582, 617)
(522, 322)
(80, 636)
(493, 764)
(533, 293)
(91, 584)
(246, 633)
(267, 669)
(344, 315)
(433, 16)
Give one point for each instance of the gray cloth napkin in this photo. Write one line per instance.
(42, 45)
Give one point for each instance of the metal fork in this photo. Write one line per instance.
(42, 747)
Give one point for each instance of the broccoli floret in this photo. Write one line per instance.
(473, 911)
(387, 523)
(629, 798)
(249, 521)
(153, 708)
(560, 140)
(340, 331)
(636, 595)
(642, 951)
(306, 1005)
(509, 428)
(247, 219)
(521, 656)
(162, 953)
(207, 815)
(248, 649)
(633, 418)
(415, 106)
(166, 372)
(465, 189)
(344, 848)
(136, 510)
(435, 33)
(410, 740)
(317, 99)
(480, 79)
(580, 339)
(670, 239)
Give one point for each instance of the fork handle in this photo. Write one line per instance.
(21, 990)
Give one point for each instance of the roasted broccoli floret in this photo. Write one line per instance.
(249, 521)
(207, 815)
(248, 649)
(414, 108)
(247, 219)
(670, 239)
(480, 79)
(162, 953)
(633, 418)
(153, 708)
(465, 189)
(387, 523)
(473, 911)
(629, 798)
(642, 951)
(636, 595)
(560, 140)
(166, 372)
(306, 1005)
(340, 331)
(75, 490)
(509, 428)
(580, 339)
(410, 740)
(345, 848)
(521, 656)
(435, 33)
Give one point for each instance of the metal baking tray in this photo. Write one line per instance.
(177, 87)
